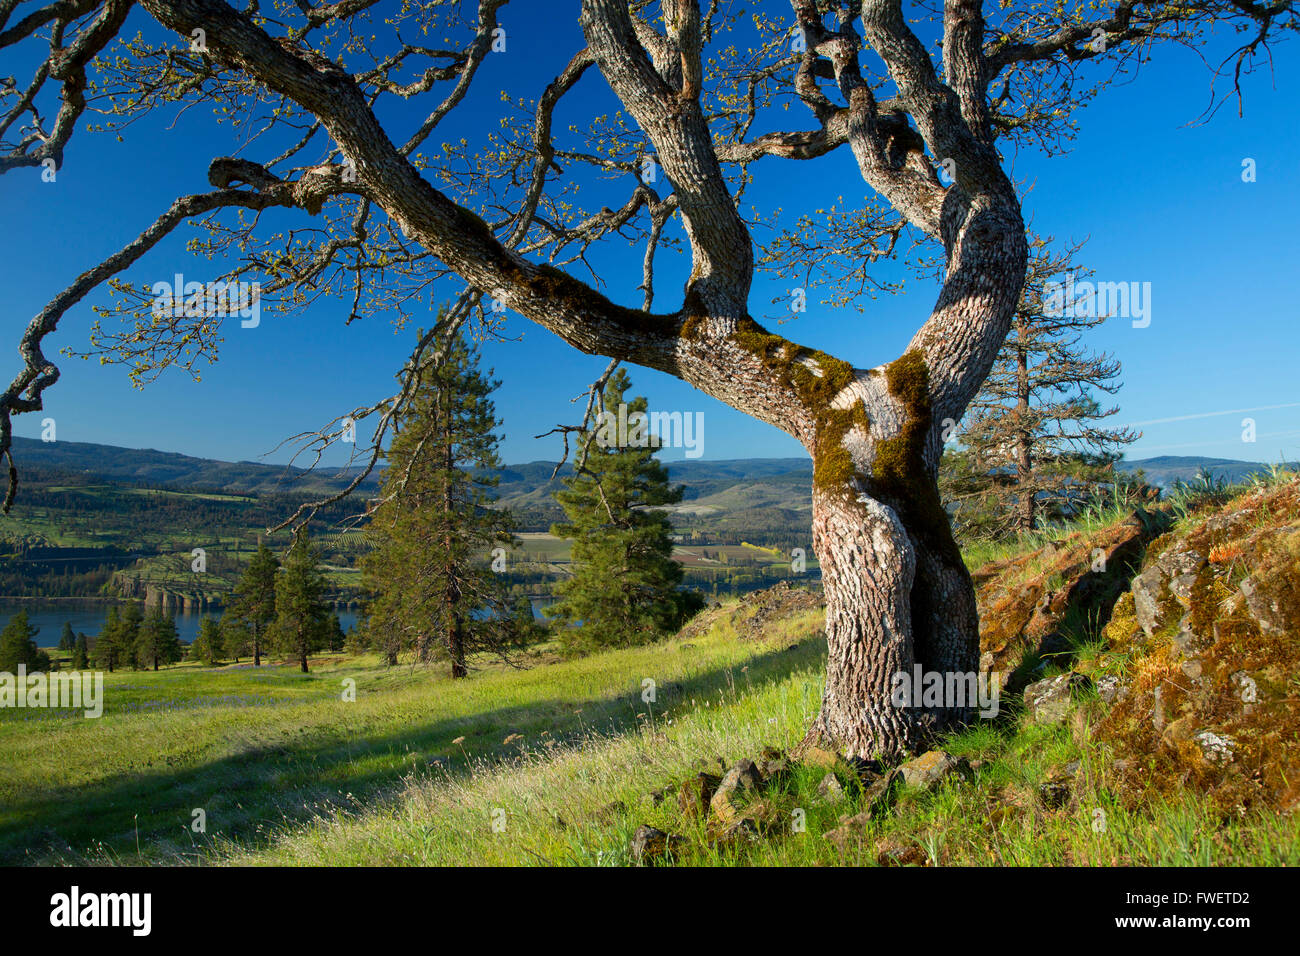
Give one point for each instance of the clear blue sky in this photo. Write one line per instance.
(1162, 203)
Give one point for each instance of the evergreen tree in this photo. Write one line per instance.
(116, 642)
(1033, 444)
(334, 636)
(107, 653)
(18, 646)
(624, 587)
(67, 640)
(525, 629)
(435, 590)
(131, 619)
(253, 604)
(81, 653)
(236, 638)
(301, 620)
(158, 641)
(206, 646)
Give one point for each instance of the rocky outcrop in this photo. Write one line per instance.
(1208, 639)
(1033, 604)
(753, 616)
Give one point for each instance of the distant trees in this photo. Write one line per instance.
(624, 588)
(115, 646)
(18, 646)
(157, 641)
(1032, 443)
(434, 524)
(253, 604)
(67, 640)
(301, 622)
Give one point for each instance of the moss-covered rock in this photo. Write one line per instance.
(1210, 637)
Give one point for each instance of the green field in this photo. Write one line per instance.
(563, 754)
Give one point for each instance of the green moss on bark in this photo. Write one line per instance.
(791, 366)
(899, 476)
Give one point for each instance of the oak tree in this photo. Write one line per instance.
(328, 188)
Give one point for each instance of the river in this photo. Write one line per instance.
(87, 617)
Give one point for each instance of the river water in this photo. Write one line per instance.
(87, 617)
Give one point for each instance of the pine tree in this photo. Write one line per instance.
(301, 621)
(435, 590)
(1032, 444)
(624, 587)
(81, 653)
(129, 623)
(115, 645)
(253, 604)
(157, 641)
(107, 653)
(206, 646)
(67, 640)
(334, 636)
(18, 646)
(236, 638)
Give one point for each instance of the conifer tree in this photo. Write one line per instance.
(115, 646)
(108, 648)
(624, 587)
(18, 646)
(1033, 445)
(301, 621)
(81, 653)
(435, 526)
(157, 641)
(236, 638)
(334, 636)
(206, 646)
(67, 640)
(253, 604)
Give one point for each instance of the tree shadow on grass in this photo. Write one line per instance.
(147, 817)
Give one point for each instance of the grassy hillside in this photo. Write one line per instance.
(1150, 755)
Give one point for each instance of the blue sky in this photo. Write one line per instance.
(1162, 202)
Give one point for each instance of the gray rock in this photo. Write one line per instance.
(830, 790)
(1188, 642)
(930, 770)
(1216, 748)
(1147, 588)
(1048, 701)
(1108, 688)
(1266, 613)
(1172, 574)
(1181, 588)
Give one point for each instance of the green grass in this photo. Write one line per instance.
(258, 749)
(289, 773)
